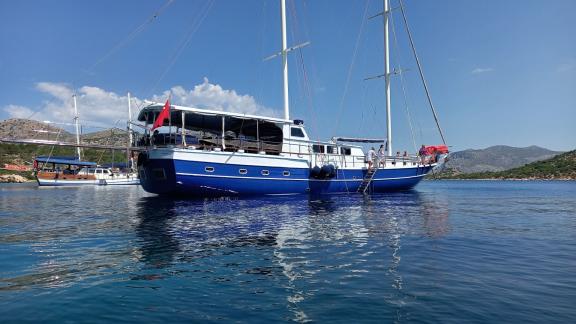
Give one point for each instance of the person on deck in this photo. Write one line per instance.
(422, 154)
(382, 155)
(371, 157)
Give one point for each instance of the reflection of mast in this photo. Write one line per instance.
(78, 152)
(395, 245)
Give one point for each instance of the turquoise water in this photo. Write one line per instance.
(450, 252)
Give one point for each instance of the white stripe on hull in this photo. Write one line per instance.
(45, 182)
(284, 179)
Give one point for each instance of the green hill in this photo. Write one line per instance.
(560, 167)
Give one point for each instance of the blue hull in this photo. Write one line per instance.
(190, 178)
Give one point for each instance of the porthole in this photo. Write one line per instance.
(209, 169)
(286, 173)
(243, 171)
(265, 172)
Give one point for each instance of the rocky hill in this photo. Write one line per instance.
(23, 154)
(495, 158)
(17, 128)
(560, 167)
(32, 129)
(112, 136)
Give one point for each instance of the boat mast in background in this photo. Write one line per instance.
(385, 15)
(78, 151)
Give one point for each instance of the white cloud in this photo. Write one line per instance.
(103, 108)
(482, 70)
(566, 67)
(16, 111)
(212, 96)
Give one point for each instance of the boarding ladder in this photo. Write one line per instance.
(367, 180)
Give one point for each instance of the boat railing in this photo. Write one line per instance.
(248, 145)
(210, 142)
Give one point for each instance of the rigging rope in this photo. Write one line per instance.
(303, 80)
(203, 13)
(132, 35)
(421, 72)
(403, 83)
(351, 67)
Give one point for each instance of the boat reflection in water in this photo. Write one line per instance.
(305, 246)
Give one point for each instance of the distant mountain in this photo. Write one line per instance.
(494, 158)
(18, 128)
(22, 154)
(560, 167)
(112, 136)
(31, 129)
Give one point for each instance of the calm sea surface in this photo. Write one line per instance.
(450, 252)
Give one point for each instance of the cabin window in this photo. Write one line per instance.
(91, 171)
(330, 149)
(209, 169)
(243, 171)
(296, 132)
(286, 173)
(265, 172)
(317, 148)
(345, 151)
(98, 171)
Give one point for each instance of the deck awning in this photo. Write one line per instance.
(359, 140)
(64, 160)
(148, 113)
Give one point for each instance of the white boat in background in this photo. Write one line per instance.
(72, 171)
(58, 171)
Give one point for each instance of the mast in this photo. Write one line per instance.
(78, 152)
(128, 157)
(387, 76)
(285, 61)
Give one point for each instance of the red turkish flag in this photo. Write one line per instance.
(162, 116)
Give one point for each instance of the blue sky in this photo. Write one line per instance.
(500, 72)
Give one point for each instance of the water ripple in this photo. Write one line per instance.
(449, 252)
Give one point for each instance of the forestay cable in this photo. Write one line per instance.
(403, 83)
(421, 72)
(132, 35)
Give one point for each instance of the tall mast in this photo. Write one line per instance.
(129, 158)
(387, 77)
(285, 61)
(77, 127)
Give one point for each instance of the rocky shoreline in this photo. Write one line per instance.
(13, 178)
